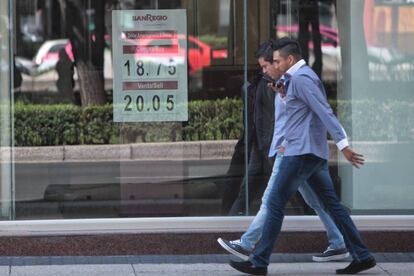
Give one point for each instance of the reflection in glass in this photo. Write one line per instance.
(314, 24)
(378, 107)
(7, 67)
(86, 165)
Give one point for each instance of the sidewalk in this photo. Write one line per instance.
(178, 265)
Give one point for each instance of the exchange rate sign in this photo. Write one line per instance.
(150, 65)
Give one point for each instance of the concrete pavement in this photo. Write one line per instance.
(307, 269)
(179, 265)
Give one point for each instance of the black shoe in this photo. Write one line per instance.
(331, 255)
(235, 248)
(248, 268)
(354, 267)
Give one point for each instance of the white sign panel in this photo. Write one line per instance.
(150, 65)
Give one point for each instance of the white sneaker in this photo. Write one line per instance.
(331, 255)
(235, 248)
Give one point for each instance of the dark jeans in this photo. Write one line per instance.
(259, 170)
(294, 170)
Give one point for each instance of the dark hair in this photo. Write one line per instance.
(266, 51)
(288, 46)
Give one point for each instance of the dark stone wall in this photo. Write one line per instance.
(182, 243)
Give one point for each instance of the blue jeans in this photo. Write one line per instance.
(335, 238)
(294, 170)
(254, 232)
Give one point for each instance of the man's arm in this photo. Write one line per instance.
(311, 94)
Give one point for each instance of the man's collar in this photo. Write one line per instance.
(292, 70)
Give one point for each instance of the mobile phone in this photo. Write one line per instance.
(277, 84)
(269, 79)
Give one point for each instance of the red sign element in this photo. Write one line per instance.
(150, 49)
(149, 34)
(149, 85)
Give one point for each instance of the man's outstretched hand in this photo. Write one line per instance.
(353, 157)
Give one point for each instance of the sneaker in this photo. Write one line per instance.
(331, 255)
(248, 268)
(355, 267)
(235, 248)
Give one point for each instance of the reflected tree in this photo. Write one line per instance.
(309, 16)
(85, 27)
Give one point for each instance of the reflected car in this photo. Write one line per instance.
(200, 54)
(48, 53)
(331, 52)
(45, 58)
(170, 49)
(385, 62)
(329, 36)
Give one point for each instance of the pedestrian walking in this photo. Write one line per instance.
(308, 119)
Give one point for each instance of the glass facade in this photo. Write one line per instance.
(6, 80)
(123, 108)
(378, 83)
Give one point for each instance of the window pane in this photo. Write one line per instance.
(379, 105)
(74, 161)
(6, 69)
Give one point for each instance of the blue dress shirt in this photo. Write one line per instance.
(309, 116)
(280, 119)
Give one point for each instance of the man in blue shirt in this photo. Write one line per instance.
(245, 245)
(308, 119)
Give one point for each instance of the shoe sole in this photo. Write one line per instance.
(247, 272)
(331, 258)
(343, 271)
(232, 251)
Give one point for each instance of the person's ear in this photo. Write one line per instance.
(291, 60)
